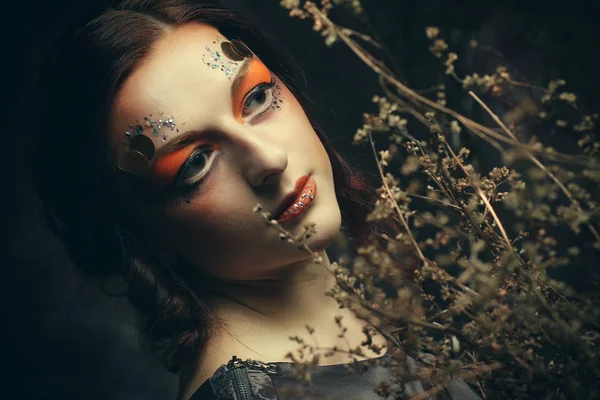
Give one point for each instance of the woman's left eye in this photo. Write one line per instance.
(259, 100)
(196, 167)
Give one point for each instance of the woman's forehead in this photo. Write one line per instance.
(192, 76)
(176, 76)
(188, 76)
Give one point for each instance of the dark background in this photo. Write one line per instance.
(62, 337)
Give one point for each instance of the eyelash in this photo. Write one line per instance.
(175, 193)
(184, 190)
(199, 151)
(261, 88)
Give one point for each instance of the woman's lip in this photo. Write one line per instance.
(289, 198)
(303, 201)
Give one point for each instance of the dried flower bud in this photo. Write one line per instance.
(455, 127)
(568, 97)
(432, 32)
(439, 46)
(290, 4)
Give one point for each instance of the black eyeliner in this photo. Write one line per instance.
(263, 85)
(259, 87)
(173, 193)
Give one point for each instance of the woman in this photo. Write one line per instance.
(166, 122)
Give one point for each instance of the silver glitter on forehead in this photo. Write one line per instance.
(140, 147)
(215, 60)
(226, 56)
(159, 127)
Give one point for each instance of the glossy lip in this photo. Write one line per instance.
(302, 200)
(289, 199)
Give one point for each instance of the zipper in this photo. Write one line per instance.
(239, 375)
(241, 383)
(271, 369)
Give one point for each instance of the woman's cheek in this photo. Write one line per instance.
(310, 143)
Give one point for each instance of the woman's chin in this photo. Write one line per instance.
(327, 224)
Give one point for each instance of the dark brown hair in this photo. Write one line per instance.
(84, 200)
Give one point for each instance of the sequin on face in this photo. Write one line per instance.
(236, 50)
(228, 58)
(139, 140)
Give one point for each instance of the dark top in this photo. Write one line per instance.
(251, 379)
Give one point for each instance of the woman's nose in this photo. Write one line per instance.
(262, 156)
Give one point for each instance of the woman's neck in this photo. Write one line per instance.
(273, 310)
(292, 298)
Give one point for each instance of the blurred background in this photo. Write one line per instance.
(62, 337)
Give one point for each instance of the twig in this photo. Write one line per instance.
(467, 375)
(434, 200)
(366, 57)
(364, 37)
(418, 116)
(536, 162)
(395, 205)
(529, 86)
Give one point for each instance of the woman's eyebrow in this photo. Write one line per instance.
(252, 72)
(177, 143)
(241, 75)
(188, 137)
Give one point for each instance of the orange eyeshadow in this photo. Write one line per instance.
(167, 167)
(257, 73)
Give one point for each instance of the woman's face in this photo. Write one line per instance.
(246, 142)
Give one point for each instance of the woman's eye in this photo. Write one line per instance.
(259, 100)
(196, 167)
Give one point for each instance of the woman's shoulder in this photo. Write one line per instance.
(249, 379)
(240, 379)
(217, 352)
(268, 348)
(225, 355)
(232, 370)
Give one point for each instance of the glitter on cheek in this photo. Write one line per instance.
(177, 199)
(277, 98)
